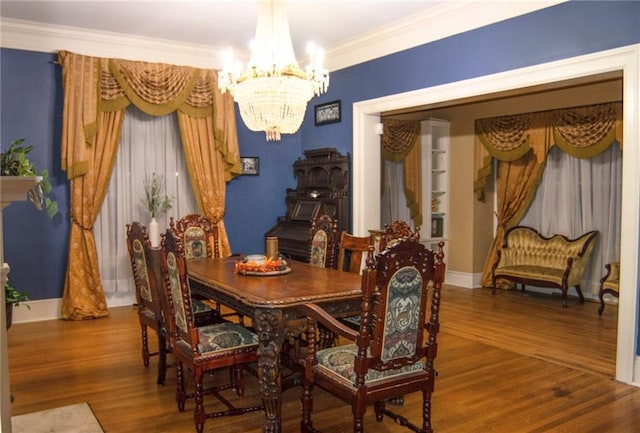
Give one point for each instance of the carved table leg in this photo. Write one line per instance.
(269, 325)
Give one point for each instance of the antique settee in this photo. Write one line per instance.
(527, 257)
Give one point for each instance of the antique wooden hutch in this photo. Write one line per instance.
(323, 188)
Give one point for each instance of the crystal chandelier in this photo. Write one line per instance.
(273, 91)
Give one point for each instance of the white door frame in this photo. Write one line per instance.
(366, 179)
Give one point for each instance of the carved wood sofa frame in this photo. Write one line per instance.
(527, 257)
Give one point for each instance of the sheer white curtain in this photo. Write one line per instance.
(393, 202)
(149, 144)
(578, 195)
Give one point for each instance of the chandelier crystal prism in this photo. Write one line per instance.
(273, 92)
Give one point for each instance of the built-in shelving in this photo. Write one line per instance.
(435, 181)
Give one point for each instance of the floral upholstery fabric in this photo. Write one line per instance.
(141, 270)
(195, 243)
(404, 296)
(224, 336)
(340, 361)
(319, 248)
(176, 293)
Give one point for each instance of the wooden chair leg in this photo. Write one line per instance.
(162, 358)
(181, 395)
(601, 296)
(198, 412)
(426, 412)
(307, 406)
(358, 418)
(145, 345)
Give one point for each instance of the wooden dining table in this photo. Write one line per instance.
(271, 302)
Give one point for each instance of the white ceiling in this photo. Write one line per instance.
(215, 25)
(220, 23)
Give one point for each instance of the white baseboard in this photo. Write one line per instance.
(463, 279)
(49, 309)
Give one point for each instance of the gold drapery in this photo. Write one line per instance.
(96, 93)
(582, 132)
(401, 142)
(521, 144)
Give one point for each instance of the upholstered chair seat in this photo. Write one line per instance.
(340, 360)
(224, 336)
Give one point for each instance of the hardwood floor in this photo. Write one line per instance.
(510, 363)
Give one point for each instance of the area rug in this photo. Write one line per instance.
(76, 418)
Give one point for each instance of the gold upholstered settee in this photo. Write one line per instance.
(527, 257)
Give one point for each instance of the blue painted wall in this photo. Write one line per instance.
(35, 246)
(30, 103)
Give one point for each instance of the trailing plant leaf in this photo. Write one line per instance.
(13, 296)
(14, 162)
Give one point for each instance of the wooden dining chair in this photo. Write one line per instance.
(201, 239)
(351, 250)
(391, 234)
(391, 355)
(200, 350)
(148, 290)
(323, 241)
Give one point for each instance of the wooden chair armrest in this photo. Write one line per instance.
(315, 312)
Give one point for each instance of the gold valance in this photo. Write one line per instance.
(156, 88)
(398, 138)
(582, 132)
(585, 132)
(505, 138)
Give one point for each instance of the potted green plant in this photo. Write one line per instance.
(13, 298)
(14, 162)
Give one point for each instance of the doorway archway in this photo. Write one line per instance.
(366, 200)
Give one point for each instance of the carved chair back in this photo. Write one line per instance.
(174, 266)
(396, 230)
(146, 287)
(198, 234)
(323, 244)
(394, 307)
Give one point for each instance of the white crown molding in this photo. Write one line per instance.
(32, 36)
(435, 23)
(448, 19)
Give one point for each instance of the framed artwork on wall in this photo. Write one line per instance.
(327, 113)
(436, 227)
(250, 165)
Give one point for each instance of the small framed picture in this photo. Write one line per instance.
(327, 113)
(436, 227)
(250, 165)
